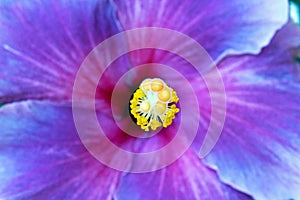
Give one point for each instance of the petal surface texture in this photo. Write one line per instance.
(42, 157)
(47, 159)
(187, 178)
(221, 27)
(43, 44)
(258, 151)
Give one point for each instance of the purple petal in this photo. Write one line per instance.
(43, 44)
(221, 27)
(258, 151)
(42, 157)
(187, 178)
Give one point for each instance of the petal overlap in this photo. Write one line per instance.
(221, 27)
(43, 44)
(258, 151)
(43, 157)
(187, 178)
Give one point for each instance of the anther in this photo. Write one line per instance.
(153, 104)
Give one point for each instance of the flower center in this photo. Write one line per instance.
(153, 104)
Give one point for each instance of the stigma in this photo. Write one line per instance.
(153, 104)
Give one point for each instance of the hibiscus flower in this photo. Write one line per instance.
(52, 54)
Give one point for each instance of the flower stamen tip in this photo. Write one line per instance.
(153, 104)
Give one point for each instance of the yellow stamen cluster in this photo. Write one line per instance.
(153, 104)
